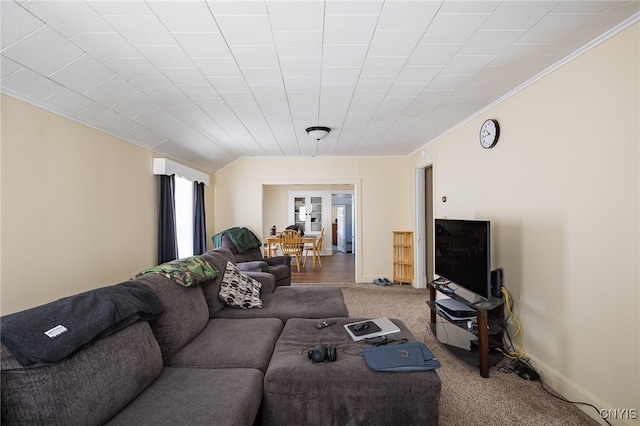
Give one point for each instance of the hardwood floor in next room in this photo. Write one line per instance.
(339, 268)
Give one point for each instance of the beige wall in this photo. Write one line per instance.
(561, 189)
(380, 186)
(79, 207)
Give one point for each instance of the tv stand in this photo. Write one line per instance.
(488, 334)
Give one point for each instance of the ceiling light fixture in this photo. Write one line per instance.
(318, 132)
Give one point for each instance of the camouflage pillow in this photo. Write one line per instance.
(239, 290)
(187, 272)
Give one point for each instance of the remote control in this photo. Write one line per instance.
(325, 324)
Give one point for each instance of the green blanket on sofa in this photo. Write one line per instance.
(242, 237)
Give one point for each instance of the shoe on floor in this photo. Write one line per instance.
(379, 281)
(387, 281)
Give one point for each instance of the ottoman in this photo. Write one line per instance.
(344, 392)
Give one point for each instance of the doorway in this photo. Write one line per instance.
(275, 212)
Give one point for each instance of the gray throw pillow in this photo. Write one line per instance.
(239, 290)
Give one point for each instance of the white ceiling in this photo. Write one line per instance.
(206, 82)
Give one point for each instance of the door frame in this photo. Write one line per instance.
(356, 184)
(424, 260)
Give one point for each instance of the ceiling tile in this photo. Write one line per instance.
(349, 29)
(184, 15)
(16, 23)
(132, 68)
(298, 44)
(453, 28)
(294, 83)
(344, 55)
(44, 51)
(249, 30)
(229, 84)
(69, 18)
(105, 46)
(119, 125)
(301, 66)
(466, 64)
(218, 67)
(184, 75)
(255, 56)
(346, 7)
(415, 15)
(518, 15)
(295, 16)
(420, 75)
(68, 102)
(170, 55)
(262, 75)
(141, 30)
(234, 7)
(340, 75)
(8, 67)
(197, 45)
(133, 105)
(96, 115)
(154, 85)
(29, 84)
(555, 27)
(433, 54)
(383, 65)
(198, 91)
(335, 91)
(394, 43)
(490, 42)
(150, 117)
(111, 8)
(111, 91)
(83, 74)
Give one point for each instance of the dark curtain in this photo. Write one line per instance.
(199, 228)
(167, 241)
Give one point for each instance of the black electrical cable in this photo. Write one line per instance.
(511, 349)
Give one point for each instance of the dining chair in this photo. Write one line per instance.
(291, 245)
(314, 249)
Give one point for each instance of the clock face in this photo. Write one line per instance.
(489, 133)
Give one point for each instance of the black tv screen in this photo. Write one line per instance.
(463, 254)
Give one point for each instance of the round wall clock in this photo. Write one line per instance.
(489, 133)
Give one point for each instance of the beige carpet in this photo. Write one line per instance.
(467, 399)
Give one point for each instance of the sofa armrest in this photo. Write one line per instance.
(267, 280)
(253, 266)
(278, 260)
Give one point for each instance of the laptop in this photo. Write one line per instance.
(373, 328)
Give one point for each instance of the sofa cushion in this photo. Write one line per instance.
(218, 258)
(186, 272)
(230, 343)
(89, 387)
(185, 312)
(195, 396)
(239, 290)
(295, 302)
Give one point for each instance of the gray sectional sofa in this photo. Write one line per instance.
(200, 362)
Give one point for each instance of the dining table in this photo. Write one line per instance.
(272, 246)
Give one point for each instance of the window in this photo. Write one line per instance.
(184, 216)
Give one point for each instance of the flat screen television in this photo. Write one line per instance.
(463, 254)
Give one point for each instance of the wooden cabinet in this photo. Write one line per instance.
(403, 257)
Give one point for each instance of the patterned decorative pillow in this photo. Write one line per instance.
(239, 290)
(187, 272)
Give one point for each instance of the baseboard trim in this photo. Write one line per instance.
(572, 392)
